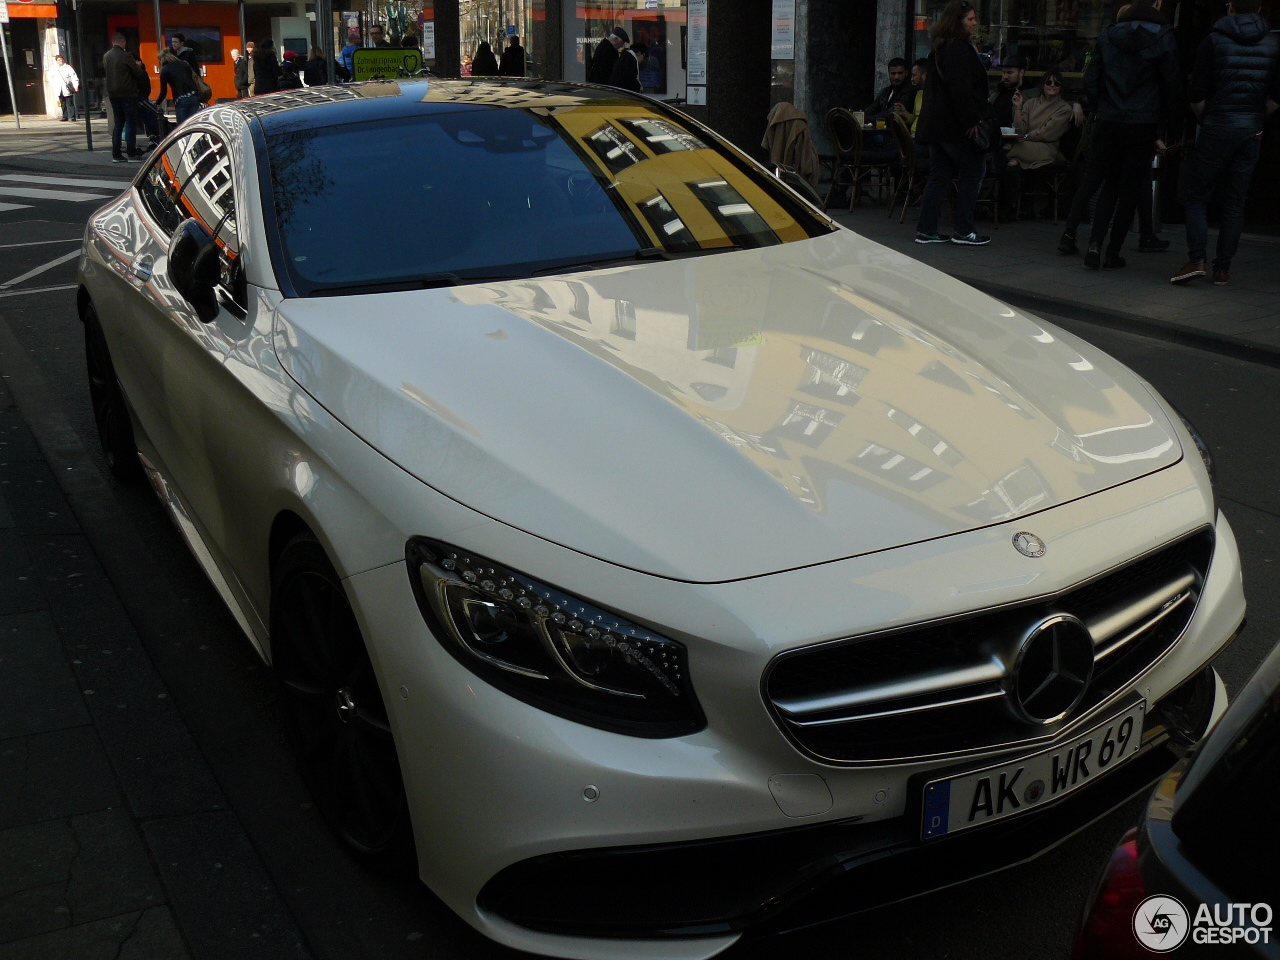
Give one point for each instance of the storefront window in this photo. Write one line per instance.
(662, 26)
(494, 21)
(1043, 33)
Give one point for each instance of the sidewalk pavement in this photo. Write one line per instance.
(44, 140)
(116, 840)
(1022, 266)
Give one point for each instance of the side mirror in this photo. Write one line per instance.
(195, 267)
(799, 184)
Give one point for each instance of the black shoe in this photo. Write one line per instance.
(932, 238)
(1067, 245)
(1113, 261)
(119, 159)
(970, 239)
(1152, 245)
(1093, 256)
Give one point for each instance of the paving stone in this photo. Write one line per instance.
(155, 937)
(34, 498)
(19, 586)
(112, 872)
(51, 775)
(16, 442)
(37, 689)
(100, 940)
(219, 892)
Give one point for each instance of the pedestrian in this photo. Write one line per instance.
(484, 64)
(626, 72)
(316, 71)
(65, 79)
(247, 71)
(266, 69)
(955, 104)
(898, 92)
(378, 36)
(512, 64)
(147, 116)
(600, 70)
(1012, 73)
(1235, 85)
(240, 73)
(120, 72)
(177, 76)
(178, 44)
(346, 56)
(1133, 78)
(290, 79)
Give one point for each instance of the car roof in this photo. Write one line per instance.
(385, 99)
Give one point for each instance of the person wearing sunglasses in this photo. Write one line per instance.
(1039, 122)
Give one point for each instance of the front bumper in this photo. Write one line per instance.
(497, 786)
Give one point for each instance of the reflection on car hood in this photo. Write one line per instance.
(732, 415)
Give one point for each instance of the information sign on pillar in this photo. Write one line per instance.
(697, 71)
(783, 36)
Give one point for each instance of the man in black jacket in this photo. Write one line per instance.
(900, 90)
(1235, 84)
(626, 72)
(512, 64)
(600, 70)
(1133, 78)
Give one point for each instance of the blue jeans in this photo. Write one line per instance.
(185, 106)
(124, 126)
(961, 161)
(1223, 160)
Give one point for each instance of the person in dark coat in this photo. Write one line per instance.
(955, 102)
(176, 75)
(178, 45)
(626, 72)
(266, 69)
(1133, 77)
(600, 70)
(1235, 86)
(290, 78)
(146, 113)
(316, 71)
(512, 64)
(484, 63)
(898, 91)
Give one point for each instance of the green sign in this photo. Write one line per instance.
(385, 63)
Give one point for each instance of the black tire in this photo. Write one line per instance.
(115, 430)
(341, 733)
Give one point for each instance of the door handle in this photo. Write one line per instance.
(141, 267)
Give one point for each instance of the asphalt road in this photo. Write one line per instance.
(226, 698)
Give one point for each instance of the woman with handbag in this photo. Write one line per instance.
(955, 122)
(181, 81)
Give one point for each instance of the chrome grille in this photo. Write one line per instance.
(940, 688)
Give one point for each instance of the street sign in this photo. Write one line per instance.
(4, 13)
(385, 63)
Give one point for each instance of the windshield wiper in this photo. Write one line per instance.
(642, 255)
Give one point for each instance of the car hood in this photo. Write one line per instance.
(728, 416)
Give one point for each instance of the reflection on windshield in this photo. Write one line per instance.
(481, 193)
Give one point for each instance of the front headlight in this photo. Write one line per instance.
(550, 649)
(1201, 445)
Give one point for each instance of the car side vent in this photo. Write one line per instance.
(943, 688)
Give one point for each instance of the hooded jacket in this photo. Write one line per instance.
(1133, 73)
(1235, 73)
(485, 64)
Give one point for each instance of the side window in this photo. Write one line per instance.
(193, 179)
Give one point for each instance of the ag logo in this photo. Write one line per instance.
(1161, 924)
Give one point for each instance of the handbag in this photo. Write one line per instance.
(204, 93)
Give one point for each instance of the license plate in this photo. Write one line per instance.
(995, 793)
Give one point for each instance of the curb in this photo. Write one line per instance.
(1220, 343)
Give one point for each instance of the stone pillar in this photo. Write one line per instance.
(738, 72)
(448, 39)
(836, 63)
(891, 34)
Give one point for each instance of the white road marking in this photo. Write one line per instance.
(14, 206)
(66, 181)
(35, 243)
(22, 293)
(35, 272)
(34, 194)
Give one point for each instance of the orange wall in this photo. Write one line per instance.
(219, 76)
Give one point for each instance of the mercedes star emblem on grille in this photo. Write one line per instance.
(1052, 669)
(1028, 544)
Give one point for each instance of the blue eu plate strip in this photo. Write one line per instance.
(937, 809)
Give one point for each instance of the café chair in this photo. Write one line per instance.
(845, 134)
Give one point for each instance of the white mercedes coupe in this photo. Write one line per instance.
(645, 559)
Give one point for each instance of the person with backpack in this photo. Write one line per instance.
(1235, 86)
(177, 77)
(951, 123)
(1133, 78)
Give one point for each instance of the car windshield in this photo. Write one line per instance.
(472, 193)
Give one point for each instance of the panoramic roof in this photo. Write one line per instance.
(379, 99)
